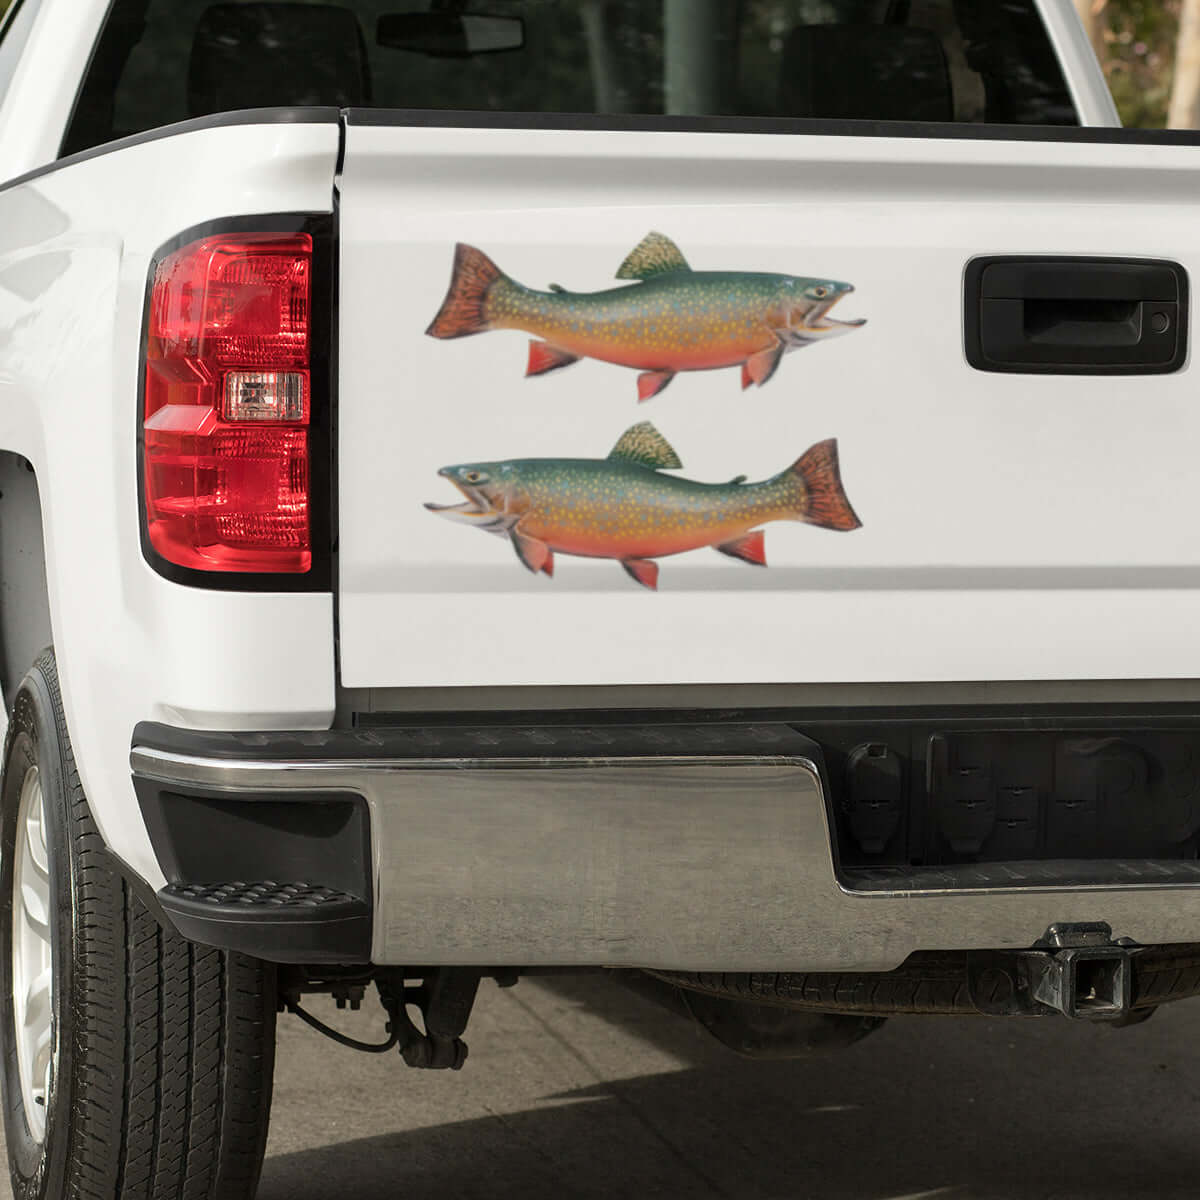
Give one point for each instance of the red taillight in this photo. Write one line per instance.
(228, 402)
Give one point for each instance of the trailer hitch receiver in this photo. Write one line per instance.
(1087, 976)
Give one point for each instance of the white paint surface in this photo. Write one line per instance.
(1015, 527)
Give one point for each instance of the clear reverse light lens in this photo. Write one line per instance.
(265, 396)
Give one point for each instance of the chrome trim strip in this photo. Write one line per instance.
(360, 774)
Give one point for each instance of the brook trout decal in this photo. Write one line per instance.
(673, 319)
(624, 507)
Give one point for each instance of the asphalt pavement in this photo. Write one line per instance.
(577, 1088)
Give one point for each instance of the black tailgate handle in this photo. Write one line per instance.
(1076, 316)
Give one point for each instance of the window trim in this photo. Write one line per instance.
(248, 116)
(77, 100)
(434, 118)
(8, 18)
(425, 118)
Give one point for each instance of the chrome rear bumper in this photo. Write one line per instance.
(654, 857)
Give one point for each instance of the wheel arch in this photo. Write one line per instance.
(24, 595)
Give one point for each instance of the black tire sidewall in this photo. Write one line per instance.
(34, 738)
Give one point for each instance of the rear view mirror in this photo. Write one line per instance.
(449, 34)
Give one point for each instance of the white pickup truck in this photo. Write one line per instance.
(299, 300)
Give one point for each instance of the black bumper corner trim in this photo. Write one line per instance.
(284, 876)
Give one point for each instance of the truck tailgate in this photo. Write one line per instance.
(1013, 525)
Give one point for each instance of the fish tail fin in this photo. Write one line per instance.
(465, 309)
(824, 502)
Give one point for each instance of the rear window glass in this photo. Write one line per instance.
(160, 61)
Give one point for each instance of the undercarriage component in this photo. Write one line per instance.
(444, 997)
(347, 987)
(1086, 977)
(341, 1038)
(751, 1028)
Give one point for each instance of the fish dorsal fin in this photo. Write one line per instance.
(644, 445)
(655, 255)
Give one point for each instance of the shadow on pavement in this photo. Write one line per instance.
(963, 1109)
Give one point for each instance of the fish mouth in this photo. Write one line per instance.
(475, 509)
(817, 320)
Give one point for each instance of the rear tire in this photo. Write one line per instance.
(161, 1051)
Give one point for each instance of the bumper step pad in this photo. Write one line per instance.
(267, 919)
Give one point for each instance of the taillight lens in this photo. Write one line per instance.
(228, 403)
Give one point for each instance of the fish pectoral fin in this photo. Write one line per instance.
(751, 548)
(654, 255)
(759, 368)
(535, 554)
(651, 383)
(644, 445)
(544, 357)
(643, 570)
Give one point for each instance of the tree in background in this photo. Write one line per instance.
(1185, 91)
(1150, 51)
(1091, 13)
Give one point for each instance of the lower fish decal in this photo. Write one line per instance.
(670, 319)
(625, 508)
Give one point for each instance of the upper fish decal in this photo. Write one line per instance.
(670, 319)
(625, 508)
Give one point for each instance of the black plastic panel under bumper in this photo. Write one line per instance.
(285, 878)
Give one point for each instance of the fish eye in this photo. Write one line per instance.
(474, 476)
(819, 292)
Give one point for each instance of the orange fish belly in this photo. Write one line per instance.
(703, 356)
(634, 543)
(690, 349)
